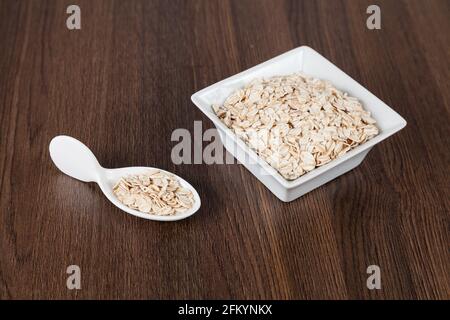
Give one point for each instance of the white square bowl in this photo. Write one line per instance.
(308, 61)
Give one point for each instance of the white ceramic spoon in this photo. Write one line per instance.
(76, 160)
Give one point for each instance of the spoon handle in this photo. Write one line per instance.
(74, 159)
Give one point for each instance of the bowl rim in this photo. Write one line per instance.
(289, 184)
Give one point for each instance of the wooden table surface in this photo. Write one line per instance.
(123, 83)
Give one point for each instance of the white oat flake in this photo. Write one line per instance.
(154, 192)
(296, 122)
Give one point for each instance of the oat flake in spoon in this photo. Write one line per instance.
(154, 192)
(75, 159)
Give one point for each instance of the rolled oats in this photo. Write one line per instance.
(154, 192)
(296, 122)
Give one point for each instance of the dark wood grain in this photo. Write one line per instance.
(123, 83)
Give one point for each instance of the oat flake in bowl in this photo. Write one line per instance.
(296, 122)
(154, 192)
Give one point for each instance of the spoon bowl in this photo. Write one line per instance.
(76, 160)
